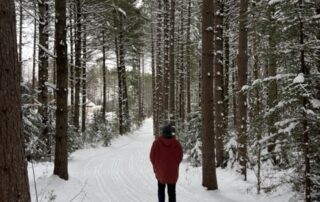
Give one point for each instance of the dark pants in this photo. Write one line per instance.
(171, 192)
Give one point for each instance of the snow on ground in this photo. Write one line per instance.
(123, 173)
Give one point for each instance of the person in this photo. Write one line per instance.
(166, 155)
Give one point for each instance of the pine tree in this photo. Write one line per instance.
(219, 85)
(242, 60)
(209, 178)
(77, 64)
(61, 151)
(13, 172)
(43, 65)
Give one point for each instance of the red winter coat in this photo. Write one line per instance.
(166, 155)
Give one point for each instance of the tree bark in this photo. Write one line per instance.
(154, 90)
(305, 134)
(120, 89)
(20, 38)
(84, 78)
(34, 47)
(171, 62)
(242, 81)
(166, 73)
(72, 20)
(43, 71)
(182, 70)
(318, 37)
(188, 59)
(273, 89)
(257, 101)
(219, 86)
(77, 67)
(226, 73)
(209, 178)
(159, 67)
(125, 103)
(104, 76)
(14, 184)
(61, 151)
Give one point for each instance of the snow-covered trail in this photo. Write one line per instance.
(123, 173)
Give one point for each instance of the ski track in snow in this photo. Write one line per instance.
(122, 172)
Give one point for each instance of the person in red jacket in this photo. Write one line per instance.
(166, 155)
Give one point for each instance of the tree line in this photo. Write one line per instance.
(239, 80)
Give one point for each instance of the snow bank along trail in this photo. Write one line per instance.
(122, 172)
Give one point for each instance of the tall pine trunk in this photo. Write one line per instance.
(104, 76)
(154, 92)
(120, 88)
(125, 101)
(14, 177)
(34, 47)
(226, 73)
(72, 20)
(43, 7)
(273, 89)
(182, 70)
(77, 67)
(171, 62)
(166, 71)
(84, 78)
(305, 126)
(188, 59)
(219, 75)
(209, 178)
(242, 60)
(159, 68)
(20, 38)
(61, 151)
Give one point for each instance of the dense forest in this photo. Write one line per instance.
(239, 79)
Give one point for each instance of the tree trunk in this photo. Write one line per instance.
(257, 102)
(34, 47)
(154, 90)
(77, 67)
(104, 76)
(209, 178)
(234, 92)
(14, 184)
(43, 7)
(125, 103)
(72, 21)
(219, 75)
(120, 89)
(61, 151)
(159, 67)
(166, 50)
(182, 70)
(242, 81)
(20, 38)
(171, 62)
(305, 134)
(84, 79)
(226, 74)
(188, 59)
(142, 87)
(318, 37)
(272, 90)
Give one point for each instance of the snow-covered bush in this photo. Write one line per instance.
(100, 130)
(191, 139)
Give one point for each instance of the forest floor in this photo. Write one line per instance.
(122, 172)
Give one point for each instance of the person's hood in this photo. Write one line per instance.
(167, 141)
